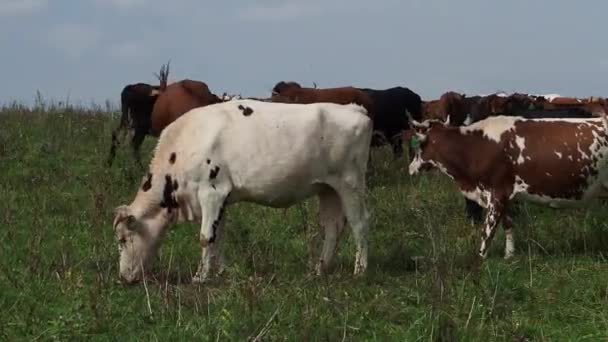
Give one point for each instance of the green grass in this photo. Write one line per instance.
(58, 259)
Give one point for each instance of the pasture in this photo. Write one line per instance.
(58, 260)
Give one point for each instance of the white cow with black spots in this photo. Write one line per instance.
(273, 154)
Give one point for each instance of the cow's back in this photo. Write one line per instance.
(341, 95)
(551, 160)
(258, 144)
(177, 99)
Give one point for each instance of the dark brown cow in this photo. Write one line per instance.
(295, 93)
(495, 104)
(432, 110)
(594, 106)
(558, 162)
(386, 107)
(458, 107)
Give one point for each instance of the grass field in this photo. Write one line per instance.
(58, 258)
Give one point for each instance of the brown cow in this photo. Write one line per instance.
(386, 107)
(593, 106)
(176, 99)
(173, 100)
(456, 106)
(558, 162)
(295, 93)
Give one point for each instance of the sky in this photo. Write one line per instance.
(88, 50)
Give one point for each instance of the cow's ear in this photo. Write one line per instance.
(123, 214)
(120, 213)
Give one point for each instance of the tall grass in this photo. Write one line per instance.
(58, 260)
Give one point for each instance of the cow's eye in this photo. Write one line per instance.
(122, 240)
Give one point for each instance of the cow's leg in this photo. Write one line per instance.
(494, 215)
(136, 141)
(507, 224)
(355, 209)
(331, 219)
(474, 211)
(118, 135)
(212, 202)
(397, 144)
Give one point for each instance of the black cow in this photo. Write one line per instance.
(137, 104)
(389, 114)
(136, 101)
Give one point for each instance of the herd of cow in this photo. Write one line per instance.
(300, 142)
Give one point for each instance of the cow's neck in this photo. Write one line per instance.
(451, 157)
(147, 203)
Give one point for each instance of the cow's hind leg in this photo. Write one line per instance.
(136, 141)
(118, 135)
(355, 209)
(213, 203)
(493, 217)
(474, 211)
(507, 224)
(397, 144)
(331, 219)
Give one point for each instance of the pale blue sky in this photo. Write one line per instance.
(90, 49)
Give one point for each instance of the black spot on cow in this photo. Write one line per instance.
(148, 183)
(168, 201)
(175, 185)
(216, 223)
(246, 110)
(208, 161)
(172, 158)
(213, 172)
(213, 186)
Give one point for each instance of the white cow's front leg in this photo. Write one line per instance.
(213, 202)
(331, 219)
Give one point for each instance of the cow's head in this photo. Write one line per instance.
(421, 144)
(137, 236)
(282, 87)
(519, 102)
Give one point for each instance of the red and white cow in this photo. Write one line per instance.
(558, 162)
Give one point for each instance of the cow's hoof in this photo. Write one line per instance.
(197, 279)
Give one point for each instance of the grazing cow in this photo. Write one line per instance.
(388, 112)
(215, 156)
(558, 162)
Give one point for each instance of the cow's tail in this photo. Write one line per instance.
(122, 125)
(163, 76)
